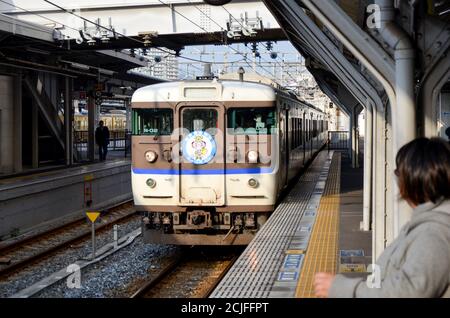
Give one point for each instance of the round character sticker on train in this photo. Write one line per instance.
(199, 147)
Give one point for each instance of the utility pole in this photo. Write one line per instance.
(225, 65)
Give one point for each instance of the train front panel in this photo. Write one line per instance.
(205, 172)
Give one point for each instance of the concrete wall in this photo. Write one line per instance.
(35, 205)
(6, 124)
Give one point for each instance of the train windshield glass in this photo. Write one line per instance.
(152, 122)
(200, 120)
(252, 121)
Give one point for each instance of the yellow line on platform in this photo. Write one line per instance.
(322, 251)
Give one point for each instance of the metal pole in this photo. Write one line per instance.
(404, 120)
(115, 236)
(34, 134)
(329, 141)
(128, 115)
(93, 241)
(71, 121)
(18, 114)
(368, 164)
(351, 136)
(68, 121)
(91, 128)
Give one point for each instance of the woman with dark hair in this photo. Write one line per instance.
(417, 263)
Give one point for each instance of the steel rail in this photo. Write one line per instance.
(64, 243)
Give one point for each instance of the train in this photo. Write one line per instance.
(210, 158)
(115, 121)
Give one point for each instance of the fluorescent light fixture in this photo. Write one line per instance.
(106, 72)
(79, 66)
(38, 51)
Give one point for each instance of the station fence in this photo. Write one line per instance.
(338, 140)
(119, 140)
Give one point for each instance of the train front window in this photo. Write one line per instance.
(252, 121)
(200, 120)
(152, 122)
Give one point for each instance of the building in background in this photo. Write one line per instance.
(162, 64)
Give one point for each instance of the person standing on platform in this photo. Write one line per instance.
(102, 140)
(417, 262)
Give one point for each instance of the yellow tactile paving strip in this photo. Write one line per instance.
(321, 254)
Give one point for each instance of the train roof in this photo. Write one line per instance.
(219, 90)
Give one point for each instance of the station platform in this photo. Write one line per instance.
(40, 201)
(315, 229)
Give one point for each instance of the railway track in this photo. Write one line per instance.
(194, 274)
(32, 249)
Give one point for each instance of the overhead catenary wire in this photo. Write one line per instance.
(37, 14)
(116, 32)
(267, 48)
(89, 21)
(123, 35)
(136, 40)
(194, 23)
(223, 29)
(197, 25)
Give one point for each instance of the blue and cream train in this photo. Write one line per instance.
(210, 158)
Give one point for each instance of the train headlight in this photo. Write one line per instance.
(151, 183)
(253, 183)
(252, 156)
(151, 156)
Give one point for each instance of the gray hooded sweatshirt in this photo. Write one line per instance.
(416, 264)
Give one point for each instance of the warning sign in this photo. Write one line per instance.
(93, 216)
(352, 268)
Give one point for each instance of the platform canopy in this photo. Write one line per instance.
(174, 24)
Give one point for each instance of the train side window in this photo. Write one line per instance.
(152, 122)
(293, 139)
(307, 130)
(296, 132)
(252, 121)
(301, 131)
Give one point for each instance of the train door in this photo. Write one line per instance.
(289, 127)
(202, 164)
(311, 136)
(283, 142)
(304, 134)
(307, 138)
(287, 143)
